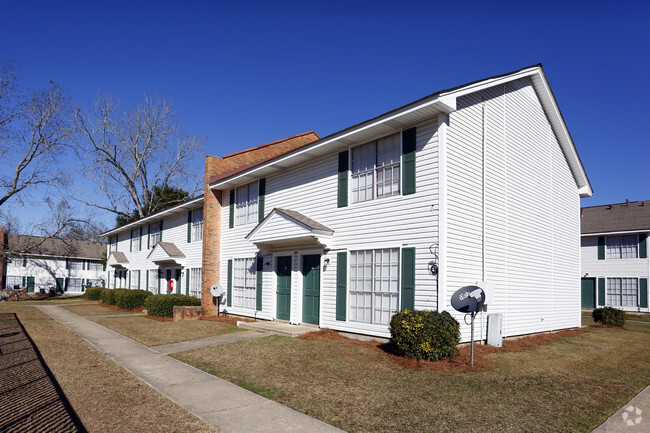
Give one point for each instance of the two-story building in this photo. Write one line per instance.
(37, 263)
(479, 184)
(161, 253)
(615, 264)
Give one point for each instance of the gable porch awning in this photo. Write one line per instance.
(284, 228)
(118, 260)
(166, 254)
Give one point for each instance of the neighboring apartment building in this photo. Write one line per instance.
(398, 212)
(36, 263)
(160, 253)
(615, 264)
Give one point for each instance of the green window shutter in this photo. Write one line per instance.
(408, 161)
(140, 240)
(408, 279)
(161, 230)
(25, 262)
(260, 278)
(104, 267)
(231, 210)
(189, 226)
(23, 285)
(643, 248)
(643, 295)
(260, 200)
(83, 284)
(128, 276)
(229, 292)
(341, 285)
(601, 291)
(187, 281)
(342, 198)
(139, 280)
(148, 236)
(114, 279)
(67, 263)
(65, 284)
(159, 278)
(601, 248)
(178, 281)
(131, 243)
(147, 279)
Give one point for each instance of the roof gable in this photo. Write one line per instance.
(284, 227)
(164, 253)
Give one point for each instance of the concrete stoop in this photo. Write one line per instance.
(278, 328)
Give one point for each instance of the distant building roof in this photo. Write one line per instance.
(35, 245)
(619, 217)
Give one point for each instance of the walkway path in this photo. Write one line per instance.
(214, 400)
(633, 417)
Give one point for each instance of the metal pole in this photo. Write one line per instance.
(473, 314)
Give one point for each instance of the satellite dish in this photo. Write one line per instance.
(217, 290)
(468, 299)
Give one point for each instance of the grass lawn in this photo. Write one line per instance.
(153, 333)
(105, 396)
(95, 309)
(54, 300)
(569, 384)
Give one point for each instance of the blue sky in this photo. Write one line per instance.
(252, 72)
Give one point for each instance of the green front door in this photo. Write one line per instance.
(30, 284)
(310, 289)
(284, 287)
(59, 285)
(588, 293)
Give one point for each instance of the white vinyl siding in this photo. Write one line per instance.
(376, 169)
(622, 292)
(197, 224)
(622, 247)
(246, 204)
(374, 285)
(195, 282)
(244, 283)
(75, 265)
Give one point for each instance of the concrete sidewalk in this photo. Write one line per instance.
(633, 417)
(216, 401)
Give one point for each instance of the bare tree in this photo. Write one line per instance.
(34, 131)
(131, 154)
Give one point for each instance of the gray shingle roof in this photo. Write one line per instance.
(171, 249)
(35, 245)
(314, 225)
(619, 217)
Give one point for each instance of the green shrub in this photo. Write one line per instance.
(130, 299)
(425, 334)
(93, 293)
(609, 316)
(108, 296)
(163, 305)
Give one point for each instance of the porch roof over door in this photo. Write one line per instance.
(284, 228)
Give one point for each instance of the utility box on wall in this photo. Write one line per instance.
(495, 330)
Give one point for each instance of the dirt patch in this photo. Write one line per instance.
(461, 362)
(159, 319)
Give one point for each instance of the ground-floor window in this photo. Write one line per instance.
(74, 285)
(244, 283)
(135, 279)
(622, 292)
(195, 282)
(374, 285)
(153, 281)
(120, 279)
(14, 280)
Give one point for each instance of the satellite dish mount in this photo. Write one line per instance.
(217, 292)
(469, 300)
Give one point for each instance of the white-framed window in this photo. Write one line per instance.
(622, 292)
(112, 243)
(153, 281)
(135, 279)
(376, 169)
(622, 247)
(136, 242)
(96, 266)
(374, 285)
(75, 265)
(246, 204)
(154, 234)
(244, 284)
(14, 280)
(197, 224)
(195, 282)
(120, 279)
(74, 284)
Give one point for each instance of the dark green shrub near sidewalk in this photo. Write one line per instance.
(425, 334)
(163, 305)
(108, 296)
(93, 293)
(609, 316)
(130, 299)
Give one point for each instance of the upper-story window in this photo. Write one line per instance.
(136, 242)
(75, 265)
(246, 204)
(197, 224)
(96, 266)
(622, 247)
(154, 234)
(112, 245)
(376, 169)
